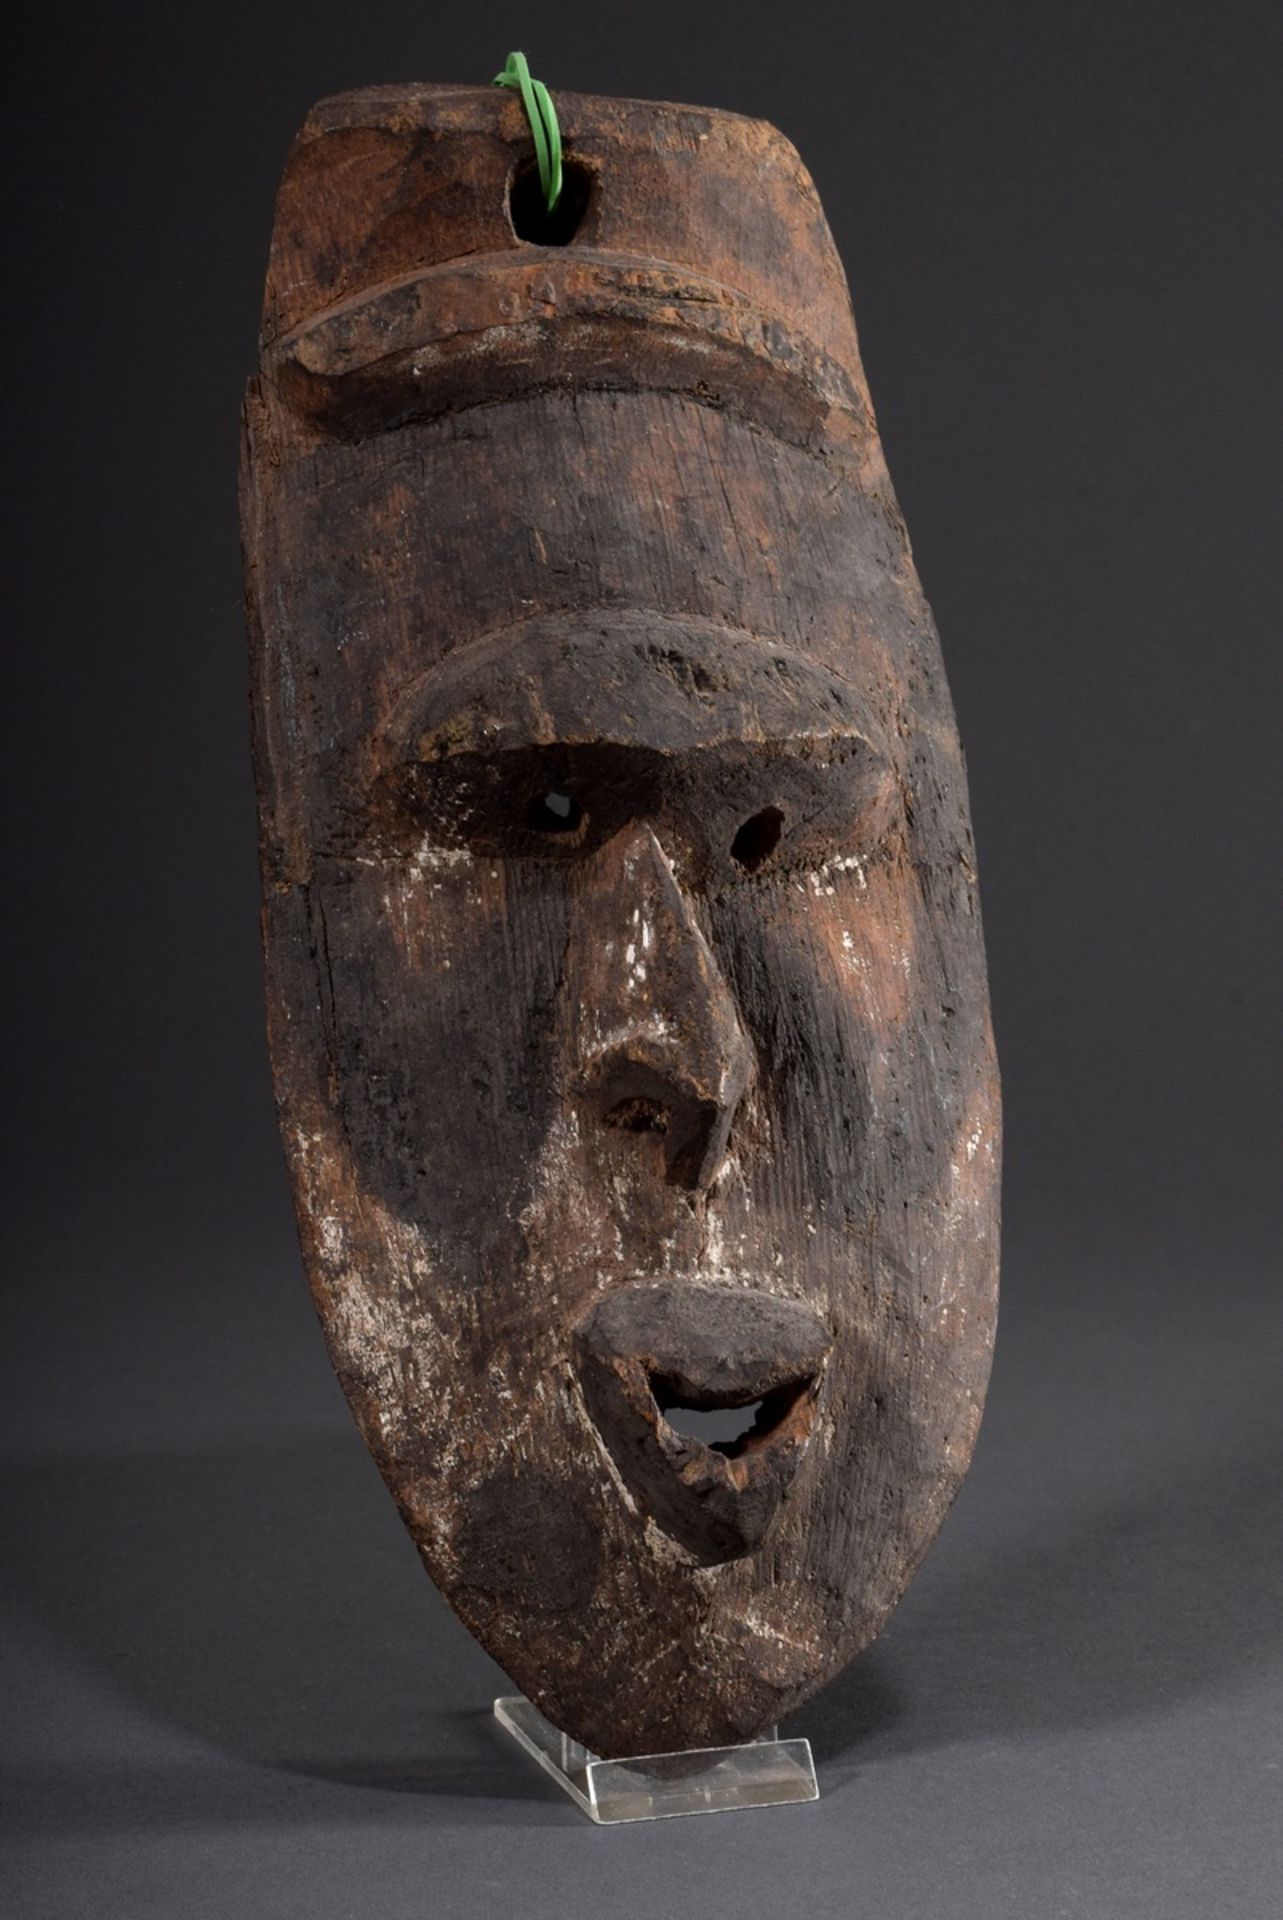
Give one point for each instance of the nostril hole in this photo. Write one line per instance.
(638, 1116)
(757, 839)
(528, 210)
(555, 813)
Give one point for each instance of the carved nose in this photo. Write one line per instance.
(661, 1049)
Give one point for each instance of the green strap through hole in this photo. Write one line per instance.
(542, 116)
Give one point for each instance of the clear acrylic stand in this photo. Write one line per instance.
(655, 1786)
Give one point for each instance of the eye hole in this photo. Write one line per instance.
(555, 813)
(757, 839)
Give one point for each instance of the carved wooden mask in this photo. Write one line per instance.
(625, 980)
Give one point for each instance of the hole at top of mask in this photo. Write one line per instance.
(757, 839)
(528, 209)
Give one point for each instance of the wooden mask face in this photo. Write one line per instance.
(625, 980)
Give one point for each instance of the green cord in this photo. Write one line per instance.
(542, 116)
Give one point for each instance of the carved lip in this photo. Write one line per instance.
(650, 1347)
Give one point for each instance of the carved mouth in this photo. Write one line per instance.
(748, 1420)
(652, 1356)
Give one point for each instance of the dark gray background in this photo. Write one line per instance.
(229, 1689)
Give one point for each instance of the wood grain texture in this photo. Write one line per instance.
(626, 988)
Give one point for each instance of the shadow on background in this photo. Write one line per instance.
(1102, 1614)
(265, 1601)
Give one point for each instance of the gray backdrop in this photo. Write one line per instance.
(229, 1689)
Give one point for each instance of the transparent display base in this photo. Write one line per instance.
(767, 1773)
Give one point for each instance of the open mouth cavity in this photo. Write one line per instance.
(728, 1428)
(705, 1396)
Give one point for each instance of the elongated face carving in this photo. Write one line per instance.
(625, 980)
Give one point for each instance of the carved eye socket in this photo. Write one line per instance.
(555, 813)
(757, 839)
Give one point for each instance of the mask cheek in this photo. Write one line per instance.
(439, 974)
(869, 926)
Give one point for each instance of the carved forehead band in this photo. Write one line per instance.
(669, 281)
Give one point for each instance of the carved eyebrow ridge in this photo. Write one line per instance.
(627, 678)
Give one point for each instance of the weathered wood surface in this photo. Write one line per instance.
(625, 981)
